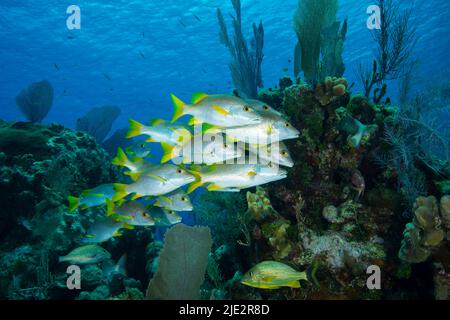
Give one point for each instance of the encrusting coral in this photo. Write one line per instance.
(426, 231)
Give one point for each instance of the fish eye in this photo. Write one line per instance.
(179, 171)
(225, 145)
(246, 108)
(287, 124)
(266, 107)
(284, 153)
(270, 165)
(183, 199)
(142, 145)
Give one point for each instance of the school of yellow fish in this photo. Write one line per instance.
(229, 144)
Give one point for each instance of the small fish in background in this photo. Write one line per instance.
(109, 268)
(24, 222)
(164, 218)
(92, 198)
(143, 35)
(56, 66)
(175, 201)
(161, 180)
(140, 150)
(107, 77)
(142, 55)
(132, 213)
(358, 183)
(105, 229)
(136, 165)
(70, 37)
(273, 275)
(196, 17)
(159, 131)
(217, 110)
(285, 69)
(181, 22)
(87, 254)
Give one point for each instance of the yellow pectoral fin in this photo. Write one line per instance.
(134, 175)
(128, 226)
(117, 234)
(251, 173)
(194, 185)
(166, 199)
(293, 284)
(110, 207)
(198, 97)
(220, 110)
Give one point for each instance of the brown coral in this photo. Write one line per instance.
(331, 88)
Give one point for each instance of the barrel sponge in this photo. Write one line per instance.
(182, 264)
(98, 121)
(36, 100)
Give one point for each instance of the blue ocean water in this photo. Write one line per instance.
(133, 53)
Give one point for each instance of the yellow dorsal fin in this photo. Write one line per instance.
(194, 121)
(117, 234)
(220, 110)
(136, 196)
(198, 97)
(127, 226)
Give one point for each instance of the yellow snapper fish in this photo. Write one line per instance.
(201, 149)
(216, 110)
(92, 198)
(175, 201)
(136, 165)
(263, 108)
(133, 213)
(273, 275)
(140, 150)
(104, 229)
(159, 131)
(274, 153)
(86, 255)
(234, 177)
(161, 180)
(272, 128)
(164, 218)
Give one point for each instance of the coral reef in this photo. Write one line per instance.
(427, 230)
(36, 100)
(39, 167)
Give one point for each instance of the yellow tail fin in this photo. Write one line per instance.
(135, 129)
(194, 185)
(110, 207)
(121, 191)
(167, 152)
(74, 203)
(121, 159)
(179, 107)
